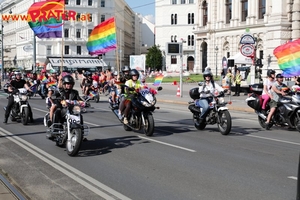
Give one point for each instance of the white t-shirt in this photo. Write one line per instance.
(269, 84)
(211, 88)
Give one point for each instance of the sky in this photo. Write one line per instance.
(144, 7)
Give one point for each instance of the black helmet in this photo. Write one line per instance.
(279, 76)
(68, 79)
(206, 73)
(125, 68)
(270, 71)
(88, 73)
(134, 72)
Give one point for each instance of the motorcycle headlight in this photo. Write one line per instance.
(76, 110)
(221, 100)
(146, 104)
(23, 97)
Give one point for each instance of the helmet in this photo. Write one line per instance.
(207, 73)
(53, 71)
(134, 72)
(125, 68)
(18, 73)
(88, 73)
(68, 79)
(279, 76)
(115, 73)
(270, 71)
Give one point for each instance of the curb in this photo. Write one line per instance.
(230, 107)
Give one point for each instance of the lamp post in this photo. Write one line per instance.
(216, 50)
(2, 47)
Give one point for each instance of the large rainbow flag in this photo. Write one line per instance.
(48, 25)
(288, 58)
(103, 38)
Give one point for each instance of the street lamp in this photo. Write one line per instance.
(216, 50)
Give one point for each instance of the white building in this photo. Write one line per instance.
(18, 37)
(221, 24)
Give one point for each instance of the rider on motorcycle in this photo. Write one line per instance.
(209, 87)
(66, 91)
(266, 94)
(12, 88)
(113, 89)
(276, 90)
(123, 78)
(87, 82)
(131, 84)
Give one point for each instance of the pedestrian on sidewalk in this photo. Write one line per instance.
(237, 81)
(229, 80)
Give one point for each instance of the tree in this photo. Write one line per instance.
(154, 58)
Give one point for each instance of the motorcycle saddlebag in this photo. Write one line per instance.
(194, 93)
(255, 103)
(257, 88)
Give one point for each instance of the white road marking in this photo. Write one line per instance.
(293, 177)
(168, 144)
(78, 176)
(276, 140)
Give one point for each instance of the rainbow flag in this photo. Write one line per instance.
(92, 94)
(46, 25)
(103, 38)
(158, 80)
(44, 79)
(288, 58)
(52, 83)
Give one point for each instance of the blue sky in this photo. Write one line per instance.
(145, 7)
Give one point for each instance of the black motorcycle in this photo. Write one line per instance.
(287, 112)
(218, 112)
(140, 115)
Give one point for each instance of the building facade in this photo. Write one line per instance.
(18, 38)
(220, 24)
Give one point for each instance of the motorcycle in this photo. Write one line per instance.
(142, 107)
(20, 109)
(287, 112)
(93, 94)
(218, 112)
(68, 128)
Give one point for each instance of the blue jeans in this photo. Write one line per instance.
(204, 104)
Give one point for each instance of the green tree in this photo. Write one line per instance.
(154, 58)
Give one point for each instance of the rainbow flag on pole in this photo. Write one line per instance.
(288, 56)
(103, 38)
(44, 79)
(52, 83)
(158, 79)
(45, 18)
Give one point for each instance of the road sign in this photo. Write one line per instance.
(247, 50)
(28, 48)
(247, 39)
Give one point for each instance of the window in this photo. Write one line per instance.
(89, 31)
(78, 2)
(102, 18)
(171, 38)
(78, 35)
(66, 2)
(48, 49)
(173, 59)
(102, 3)
(78, 16)
(261, 9)
(78, 50)
(191, 1)
(228, 6)
(174, 1)
(90, 2)
(66, 32)
(172, 19)
(182, 1)
(67, 49)
(175, 19)
(191, 18)
(90, 17)
(175, 38)
(204, 13)
(244, 10)
(190, 40)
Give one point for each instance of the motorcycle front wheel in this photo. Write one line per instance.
(198, 126)
(224, 124)
(262, 122)
(25, 116)
(148, 127)
(74, 143)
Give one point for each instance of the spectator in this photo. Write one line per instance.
(229, 80)
(237, 81)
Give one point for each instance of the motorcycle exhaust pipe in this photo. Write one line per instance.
(157, 107)
(261, 115)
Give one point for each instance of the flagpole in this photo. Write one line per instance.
(117, 49)
(62, 40)
(34, 50)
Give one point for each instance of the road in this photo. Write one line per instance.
(177, 163)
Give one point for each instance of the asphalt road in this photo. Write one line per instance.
(177, 163)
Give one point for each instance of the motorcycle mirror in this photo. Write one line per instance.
(200, 83)
(159, 88)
